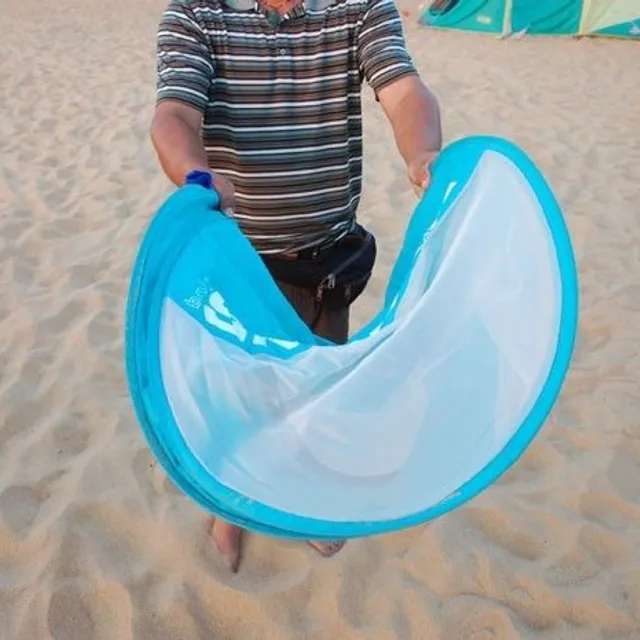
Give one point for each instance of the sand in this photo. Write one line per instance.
(96, 544)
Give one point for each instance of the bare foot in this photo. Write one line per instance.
(227, 539)
(327, 549)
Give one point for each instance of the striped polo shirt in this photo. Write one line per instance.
(281, 104)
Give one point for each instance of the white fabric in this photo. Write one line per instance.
(392, 423)
(600, 14)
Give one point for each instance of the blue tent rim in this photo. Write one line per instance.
(151, 406)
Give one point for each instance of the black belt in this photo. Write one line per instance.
(309, 253)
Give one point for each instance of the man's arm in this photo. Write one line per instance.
(175, 133)
(414, 114)
(410, 106)
(185, 74)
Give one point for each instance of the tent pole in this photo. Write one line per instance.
(584, 10)
(507, 22)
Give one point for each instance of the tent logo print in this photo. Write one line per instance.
(196, 299)
(217, 314)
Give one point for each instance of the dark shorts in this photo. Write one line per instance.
(332, 325)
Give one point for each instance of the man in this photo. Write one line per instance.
(263, 99)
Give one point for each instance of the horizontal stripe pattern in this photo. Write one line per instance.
(282, 106)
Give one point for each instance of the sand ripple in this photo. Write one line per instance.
(95, 543)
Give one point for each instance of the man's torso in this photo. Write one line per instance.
(284, 119)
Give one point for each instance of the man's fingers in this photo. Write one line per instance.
(420, 173)
(225, 190)
(420, 181)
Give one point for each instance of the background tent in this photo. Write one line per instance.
(619, 18)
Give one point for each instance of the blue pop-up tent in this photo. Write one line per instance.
(261, 422)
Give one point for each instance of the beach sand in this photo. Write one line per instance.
(96, 544)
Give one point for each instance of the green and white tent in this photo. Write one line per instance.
(617, 18)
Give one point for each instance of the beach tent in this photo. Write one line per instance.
(618, 18)
(271, 427)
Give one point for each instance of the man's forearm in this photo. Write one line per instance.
(416, 123)
(178, 145)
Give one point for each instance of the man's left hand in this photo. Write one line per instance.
(419, 171)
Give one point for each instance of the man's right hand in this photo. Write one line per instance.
(175, 132)
(224, 188)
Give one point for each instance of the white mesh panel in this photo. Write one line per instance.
(404, 417)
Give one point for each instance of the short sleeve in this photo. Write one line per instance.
(185, 68)
(382, 51)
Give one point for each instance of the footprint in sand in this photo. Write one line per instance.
(68, 617)
(20, 506)
(624, 473)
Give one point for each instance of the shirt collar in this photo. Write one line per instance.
(252, 5)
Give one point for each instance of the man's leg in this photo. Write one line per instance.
(333, 325)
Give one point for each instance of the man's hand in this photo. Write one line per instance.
(175, 132)
(414, 114)
(419, 171)
(225, 190)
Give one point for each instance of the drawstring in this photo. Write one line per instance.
(316, 317)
